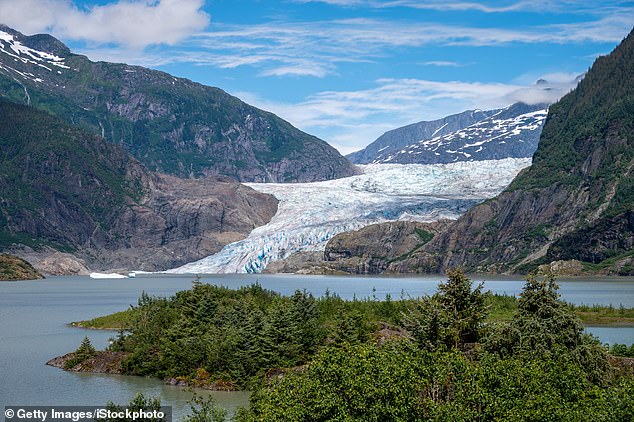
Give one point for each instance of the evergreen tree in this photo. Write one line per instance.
(452, 317)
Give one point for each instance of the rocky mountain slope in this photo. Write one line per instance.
(512, 132)
(64, 189)
(13, 268)
(170, 124)
(577, 199)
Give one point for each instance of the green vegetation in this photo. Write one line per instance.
(79, 179)
(538, 366)
(116, 321)
(14, 268)
(138, 403)
(459, 354)
(600, 107)
(500, 308)
(174, 125)
(84, 352)
(424, 235)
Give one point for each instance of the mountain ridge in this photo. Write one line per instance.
(473, 135)
(170, 124)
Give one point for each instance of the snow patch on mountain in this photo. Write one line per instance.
(309, 214)
(14, 48)
(497, 137)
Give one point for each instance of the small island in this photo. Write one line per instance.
(13, 268)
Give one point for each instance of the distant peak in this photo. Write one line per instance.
(41, 42)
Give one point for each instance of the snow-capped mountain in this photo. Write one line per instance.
(22, 55)
(309, 214)
(512, 132)
(394, 140)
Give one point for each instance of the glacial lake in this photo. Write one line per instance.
(34, 314)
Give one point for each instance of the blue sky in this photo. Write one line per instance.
(346, 70)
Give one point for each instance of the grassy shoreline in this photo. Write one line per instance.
(502, 308)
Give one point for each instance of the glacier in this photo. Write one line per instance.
(309, 214)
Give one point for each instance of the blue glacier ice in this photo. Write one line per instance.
(309, 214)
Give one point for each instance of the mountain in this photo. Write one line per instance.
(394, 140)
(511, 132)
(170, 124)
(576, 201)
(65, 189)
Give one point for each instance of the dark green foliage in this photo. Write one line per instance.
(138, 403)
(424, 235)
(622, 350)
(399, 382)
(84, 352)
(173, 125)
(205, 410)
(231, 336)
(546, 370)
(545, 326)
(452, 317)
(601, 106)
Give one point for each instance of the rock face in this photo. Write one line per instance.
(181, 221)
(171, 125)
(63, 189)
(51, 262)
(13, 268)
(512, 132)
(370, 250)
(101, 363)
(575, 202)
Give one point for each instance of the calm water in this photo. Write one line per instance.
(34, 314)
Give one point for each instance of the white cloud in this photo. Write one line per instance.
(441, 63)
(131, 23)
(538, 6)
(317, 48)
(349, 120)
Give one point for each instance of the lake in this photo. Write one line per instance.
(34, 314)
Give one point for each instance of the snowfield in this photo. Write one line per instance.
(309, 214)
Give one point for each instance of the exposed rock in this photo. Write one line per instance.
(101, 363)
(369, 250)
(469, 136)
(569, 268)
(182, 221)
(90, 198)
(13, 268)
(51, 262)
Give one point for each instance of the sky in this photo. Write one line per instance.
(346, 70)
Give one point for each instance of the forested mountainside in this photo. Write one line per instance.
(170, 124)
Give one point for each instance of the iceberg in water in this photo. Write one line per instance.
(309, 214)
(107, 275)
